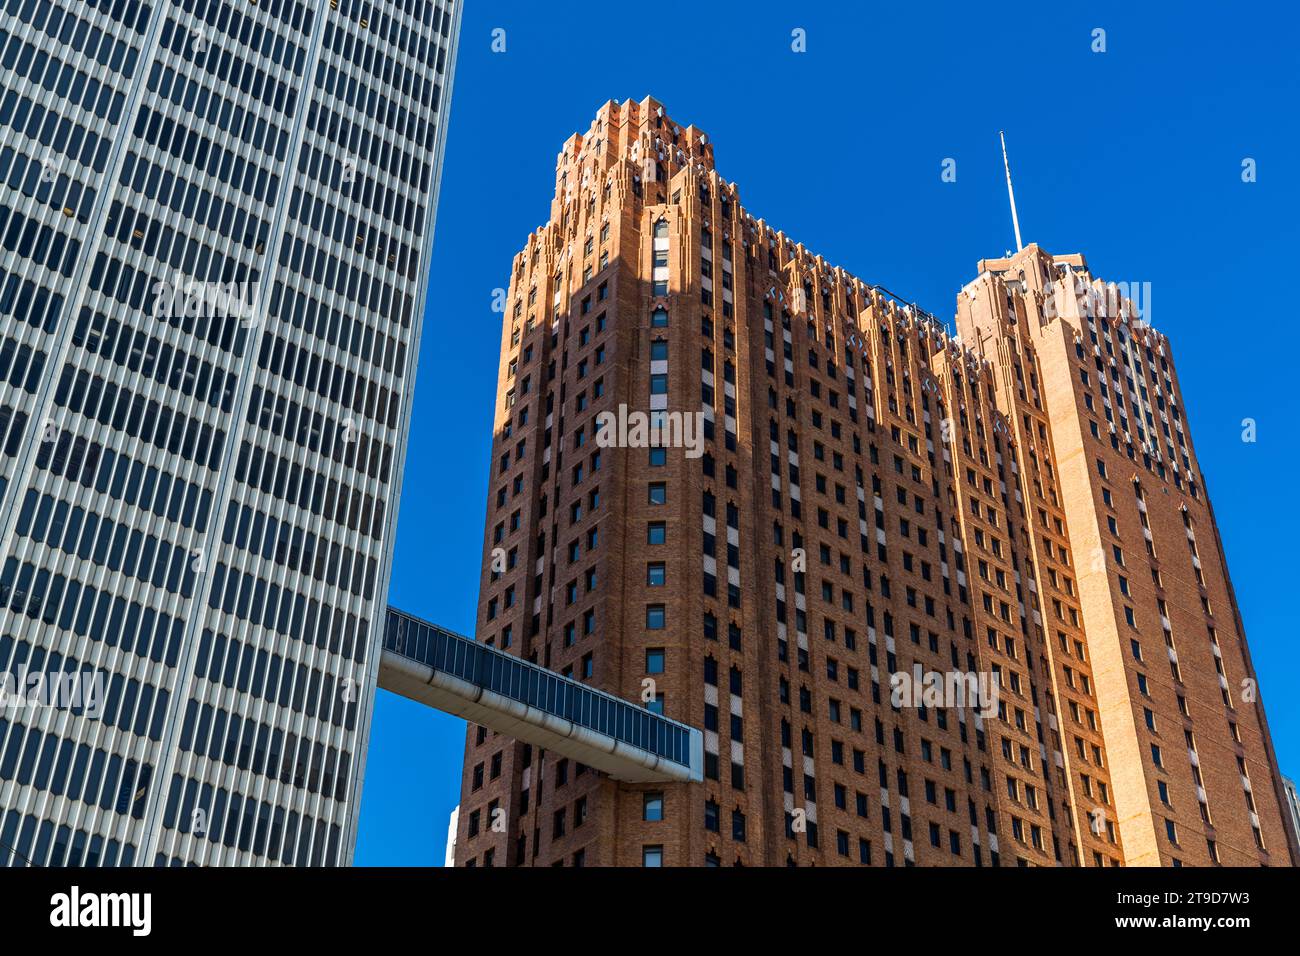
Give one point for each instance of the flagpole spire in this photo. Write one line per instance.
(1015, 220)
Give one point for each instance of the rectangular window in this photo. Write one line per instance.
(652, 807)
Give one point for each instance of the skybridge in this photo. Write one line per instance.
(434, 666)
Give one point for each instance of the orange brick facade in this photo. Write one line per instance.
(871, 496)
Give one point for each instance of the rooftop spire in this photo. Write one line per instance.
(1015, 221)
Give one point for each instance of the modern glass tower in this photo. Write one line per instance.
(216, 220)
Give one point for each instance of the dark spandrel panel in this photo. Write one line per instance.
(64, 847)
(64, 28)
(133, 13)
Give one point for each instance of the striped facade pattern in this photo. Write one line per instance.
(198, 492)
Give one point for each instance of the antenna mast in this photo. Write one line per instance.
(1015, 220)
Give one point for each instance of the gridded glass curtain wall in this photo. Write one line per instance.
(216, 220)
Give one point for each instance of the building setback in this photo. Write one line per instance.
(871, 497)
(216, 222)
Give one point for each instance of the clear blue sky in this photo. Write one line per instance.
(1132, 157)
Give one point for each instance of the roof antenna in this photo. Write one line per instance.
(1015, 221)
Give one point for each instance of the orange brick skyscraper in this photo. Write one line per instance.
(871, 497)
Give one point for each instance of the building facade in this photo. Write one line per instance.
(854, 523)
(216, 222)
(1291, 799)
